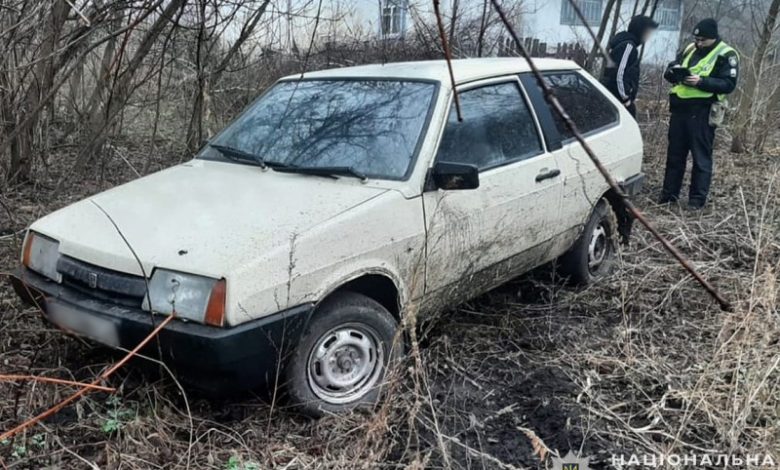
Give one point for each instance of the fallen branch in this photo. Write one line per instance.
(53, 380)
(83, 391)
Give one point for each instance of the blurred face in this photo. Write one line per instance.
(703, 43)
(647, 35)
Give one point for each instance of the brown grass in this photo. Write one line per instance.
(643, 363)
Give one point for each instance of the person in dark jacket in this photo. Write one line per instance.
(622, 76)
(702, 75)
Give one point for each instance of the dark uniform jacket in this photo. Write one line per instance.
(722, 80)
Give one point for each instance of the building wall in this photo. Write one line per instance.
(542, 20)
(538, 19)
(370, 11)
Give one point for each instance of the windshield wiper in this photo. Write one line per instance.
(239, 155)
(332, 171)
(246, 157)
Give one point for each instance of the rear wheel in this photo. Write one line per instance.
(593, 254)
(341, 361)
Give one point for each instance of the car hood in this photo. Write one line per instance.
(201, 217)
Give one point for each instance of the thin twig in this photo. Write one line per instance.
(79, 12)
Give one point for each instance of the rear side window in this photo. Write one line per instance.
(497, 128)
(588, 107)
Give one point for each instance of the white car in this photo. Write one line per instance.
(292, 244)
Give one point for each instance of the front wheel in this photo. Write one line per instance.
(341, 360)
(593, 254)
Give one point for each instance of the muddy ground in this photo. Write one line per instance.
(643, 363)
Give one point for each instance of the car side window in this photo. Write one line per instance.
(497, 128)
(588, 107)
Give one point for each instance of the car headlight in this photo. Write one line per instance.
(40, 254)
(196, 298)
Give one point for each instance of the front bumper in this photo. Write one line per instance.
(209, 358)
(630, 187)
(633, 185)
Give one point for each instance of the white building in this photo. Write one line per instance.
(555, 21)
(552, 22)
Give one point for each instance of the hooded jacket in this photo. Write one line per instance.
(622, 78)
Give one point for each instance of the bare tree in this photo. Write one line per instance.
(591, 61)
(754, 82)
(121, 86)
(39, 85)
(206, 77)
(90, 75)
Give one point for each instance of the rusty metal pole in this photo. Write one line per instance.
(553, 100)
(447, 56)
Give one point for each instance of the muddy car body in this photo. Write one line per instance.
(292, 245)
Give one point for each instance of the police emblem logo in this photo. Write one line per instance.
(93, 278)
(570, 462)
(696, 32)
(733, 61)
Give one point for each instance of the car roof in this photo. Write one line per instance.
(464, 70)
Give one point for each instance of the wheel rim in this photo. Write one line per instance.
(345, 363)
(599, 247)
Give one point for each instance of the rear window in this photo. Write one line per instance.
(588, 107)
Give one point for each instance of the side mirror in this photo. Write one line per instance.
(453, 176)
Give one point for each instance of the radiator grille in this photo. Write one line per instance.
(105, 284)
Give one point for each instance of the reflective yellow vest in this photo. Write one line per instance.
(703, 68)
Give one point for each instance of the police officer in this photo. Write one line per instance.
(703, 74)
(622, 76)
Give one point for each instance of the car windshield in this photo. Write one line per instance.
(370, 127)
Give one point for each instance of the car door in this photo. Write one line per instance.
(597, 119)
(476, 238)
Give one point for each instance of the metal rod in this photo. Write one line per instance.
(553, 100)
(53, 380)
(447, 56)
(84, 390)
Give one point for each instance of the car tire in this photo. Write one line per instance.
(594, 254)
(342, 358)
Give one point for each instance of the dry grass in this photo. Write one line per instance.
(644, 363)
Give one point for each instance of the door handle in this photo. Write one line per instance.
(546, 175)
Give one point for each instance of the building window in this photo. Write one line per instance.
(668, 14)
(393, 17)
(591, 9)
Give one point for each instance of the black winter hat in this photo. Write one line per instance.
(640, 24)
(706, 29)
